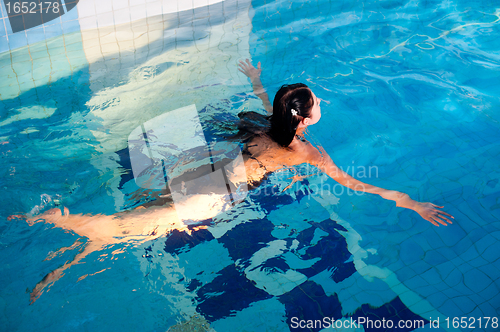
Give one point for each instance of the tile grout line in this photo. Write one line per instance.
(5, 24)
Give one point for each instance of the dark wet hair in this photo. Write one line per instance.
(283, 123)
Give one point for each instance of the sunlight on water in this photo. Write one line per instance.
(409, 88)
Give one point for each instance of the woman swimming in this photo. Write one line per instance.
(295, 107)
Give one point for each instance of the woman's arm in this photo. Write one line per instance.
(254, 74)
(428, 211)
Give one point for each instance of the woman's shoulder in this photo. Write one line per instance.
(266, 149)
(305, 152)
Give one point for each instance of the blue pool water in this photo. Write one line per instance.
(409, 87)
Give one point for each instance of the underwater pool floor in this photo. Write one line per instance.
(409, 88)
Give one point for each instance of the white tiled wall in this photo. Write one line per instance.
(119, 32)
(92, 14)
(136, 60)
(129, 62)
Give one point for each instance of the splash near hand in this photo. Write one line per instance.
(431, 213)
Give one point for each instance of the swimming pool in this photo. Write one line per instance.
(409, 88)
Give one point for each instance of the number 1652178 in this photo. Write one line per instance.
(27, 7)
(472, 322)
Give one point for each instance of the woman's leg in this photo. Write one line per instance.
(55, 275)
(138, 225)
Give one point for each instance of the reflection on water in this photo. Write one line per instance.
(411, 89)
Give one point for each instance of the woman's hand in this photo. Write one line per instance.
(249, 70)
(254, 74)
(430, 212)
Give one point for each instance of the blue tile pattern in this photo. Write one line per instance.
(410, 88)
(233, 290)
(381, 91)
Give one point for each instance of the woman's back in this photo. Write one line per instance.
(262, 155)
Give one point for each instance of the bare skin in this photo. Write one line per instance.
(143, 224)
(304, 152)
(138, 225)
